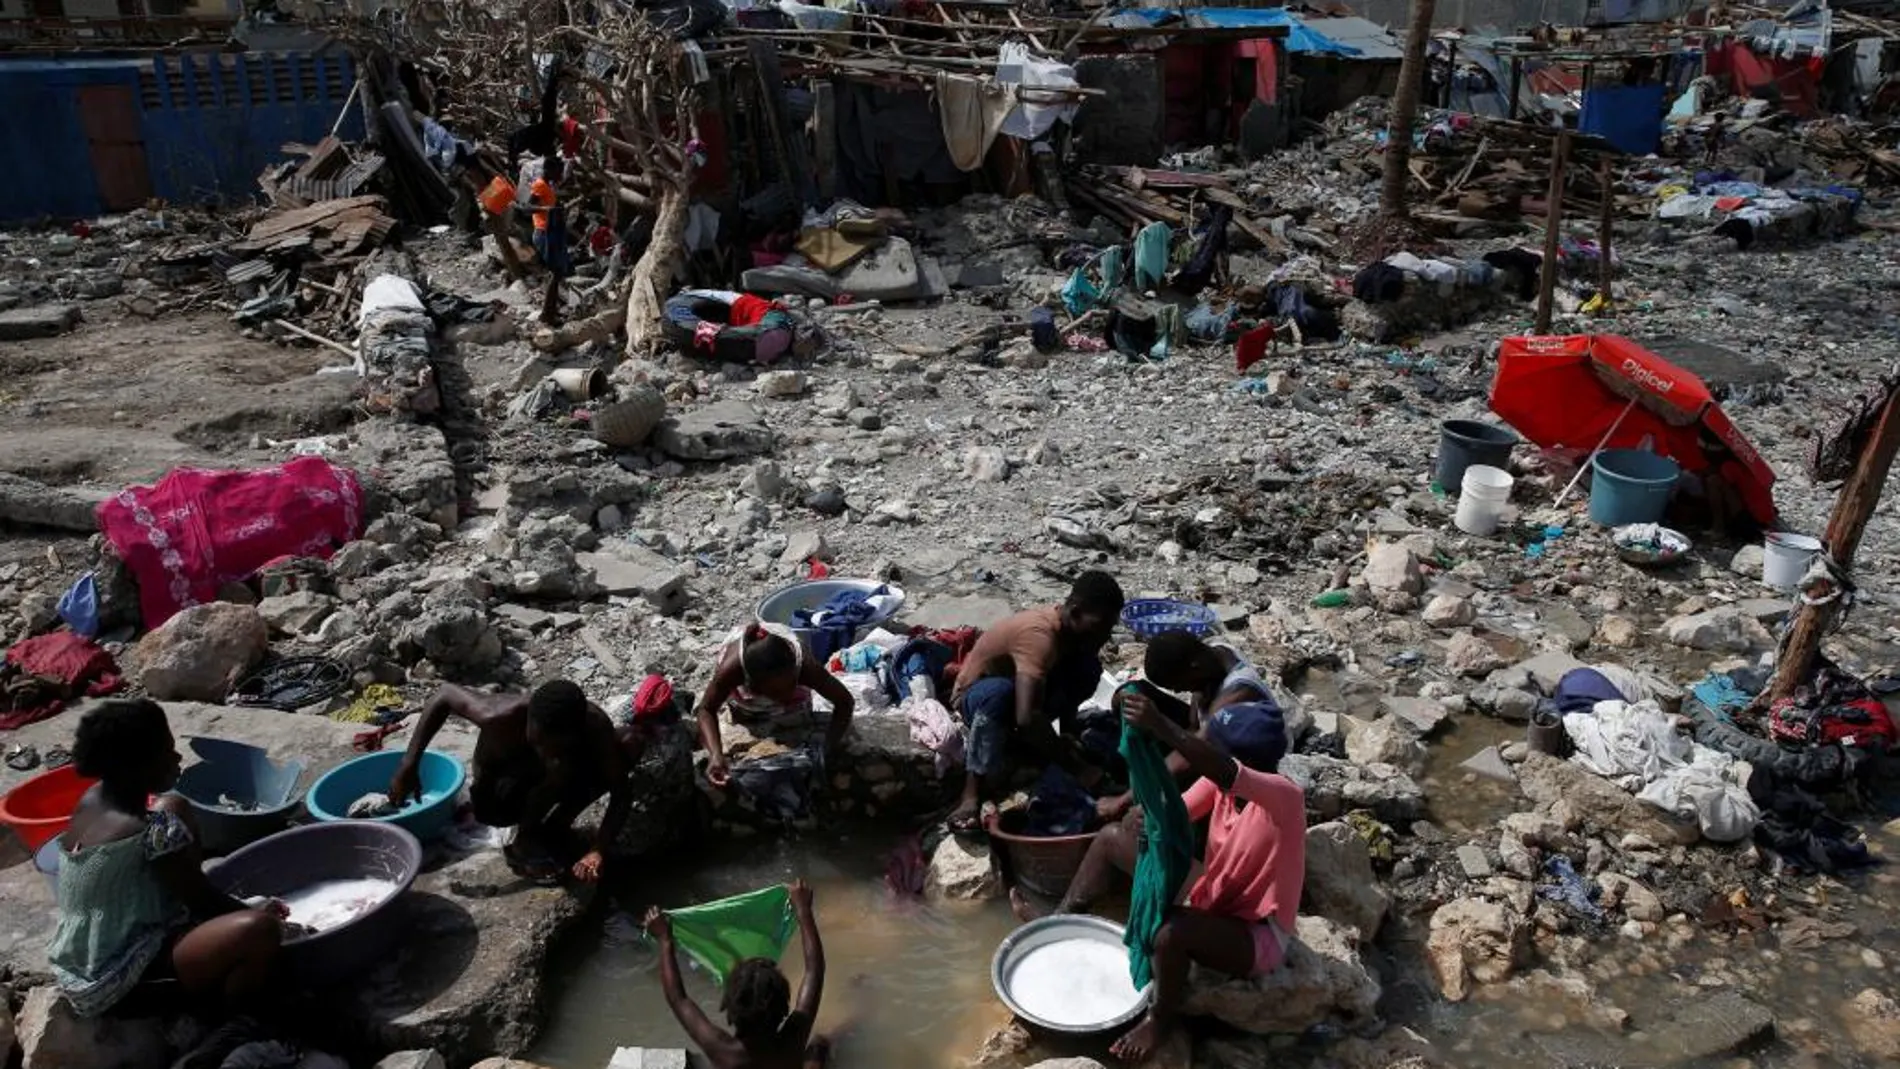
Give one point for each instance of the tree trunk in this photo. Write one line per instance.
(1398, 143)
(653, 273)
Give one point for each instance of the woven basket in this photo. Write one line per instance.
(629, 421)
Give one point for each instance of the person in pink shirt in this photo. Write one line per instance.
(1239, 913)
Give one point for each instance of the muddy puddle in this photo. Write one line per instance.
(907, 982)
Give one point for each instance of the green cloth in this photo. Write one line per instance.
(114, 914)
(1167, 848)
(720, 935)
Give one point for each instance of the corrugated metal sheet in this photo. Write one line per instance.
(208, 122)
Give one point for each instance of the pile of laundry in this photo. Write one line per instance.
(1637, 746)
(1746, 211)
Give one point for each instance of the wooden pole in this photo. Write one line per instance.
(1553, 224)
(1844, 528)
(1606, 230)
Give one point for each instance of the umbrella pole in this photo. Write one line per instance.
(1601, 442)
(1851, 512)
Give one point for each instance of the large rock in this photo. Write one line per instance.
(962, 870)
(40, 321)
(1340, 884)
(1005, 1048)
(1473, 939)
(1468, 654)
(1873, 1020)
(1334, 787)
(1391, 568)
(1449, 611)
(1637, 902)
(1725, 630)
(52, 1036)
(1390, 741)
(454, 635)
(628, 569)
(201, 653)
(27, 503)
(718, 431)
(1605, 806)
(413, 1059)
(1322, 980)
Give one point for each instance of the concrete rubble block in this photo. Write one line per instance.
(38, 321)
(719, 431)
(985, 464)
(801, 546)
(765, 481)
(1618, 632)
(962, 870)
(1449, 611)
(52, 1036)
(201, 653)
(786, 383)
(1390, 741)
(1872, 1018)
(27, 503)
(1637, 901)
(413, 1059)
(1606, 807)
(1334, 787)
(1323, 979)
(1340, 884)
(647, 1058)
(889, 272)
(1725, 630)
(1747, 561)
(1474, 940)
(452, 634)
(1392, 568)
(1423, 714)
(1007, 1047)
(1468, 654)
(299, 613)
(405, 467)
(633, 570)
(1540, 673)
(1472, 860)
(1490, 764)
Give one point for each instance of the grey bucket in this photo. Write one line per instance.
(1464, 442)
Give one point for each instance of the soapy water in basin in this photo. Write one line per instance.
(1074, 982)
(330, 904)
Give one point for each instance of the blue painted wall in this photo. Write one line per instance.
(210, 122)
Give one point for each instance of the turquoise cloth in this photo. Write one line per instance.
(1079, 294)
(1111, 268)
(720, 935)
(114, 914)
(1151, 255)
(1167, 849)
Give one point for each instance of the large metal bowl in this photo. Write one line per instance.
(1043, 932)
(779, 606)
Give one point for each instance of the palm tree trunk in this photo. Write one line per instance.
(1398, 142)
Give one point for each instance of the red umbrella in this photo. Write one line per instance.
(1590, 391)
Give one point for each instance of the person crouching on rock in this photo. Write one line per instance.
(1239, 912)
(1023, 681)
(136, 914)
(540, 760)
(764, 676)
(768, 1030)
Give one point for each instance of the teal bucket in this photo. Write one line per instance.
(1630, 486)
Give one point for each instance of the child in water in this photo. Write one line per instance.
(768, 1032)
(764, 674)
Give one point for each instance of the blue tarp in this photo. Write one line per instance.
(1299, 37)
(1627, 116)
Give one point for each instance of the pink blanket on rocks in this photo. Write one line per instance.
(197, 530)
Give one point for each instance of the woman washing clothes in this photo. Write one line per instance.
(765, 677)
(136, 913)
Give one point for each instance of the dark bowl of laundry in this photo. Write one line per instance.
(1148, 617)
(344, 884)
(238, 793)
(41, 807)
(427, 818)
(828, 615)
(1044, 864)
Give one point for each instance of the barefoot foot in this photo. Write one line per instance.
(1139, 1042)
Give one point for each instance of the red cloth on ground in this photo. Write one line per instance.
(1251, 346)
(74, 664)
(199, 529)
(747, 310)
(654, 697)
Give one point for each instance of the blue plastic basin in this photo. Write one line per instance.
(1630, 486)
(1148, 617)
(427, 818)
(262, 793)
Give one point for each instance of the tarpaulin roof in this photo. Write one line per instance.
(1299, 37)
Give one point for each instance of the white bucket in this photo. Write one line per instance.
(1481, 499)
(1785, 558)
